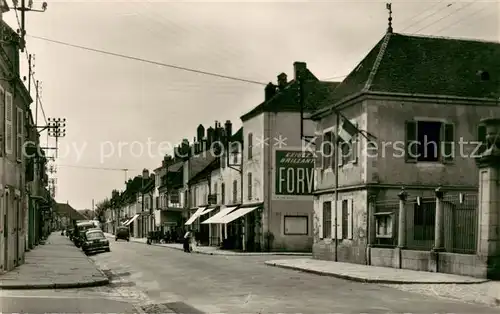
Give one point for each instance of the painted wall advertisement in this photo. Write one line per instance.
(293, 174)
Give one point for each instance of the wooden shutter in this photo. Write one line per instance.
(411, 136)
(20, 134)
(319, 213)
(354, 146)
(481, 137)
(9, 132)
(250, 145)
(249, 186)
(448, 142)
(327, 220)
(338, 222)
(318, 161)
(350, 219)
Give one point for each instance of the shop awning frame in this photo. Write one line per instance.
(193, 217)
(208, 210)
(240, 212)
(223, 212)
(131, 220)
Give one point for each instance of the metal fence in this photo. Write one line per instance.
(420, 223)
(460, 222)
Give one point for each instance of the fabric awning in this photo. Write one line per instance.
(240, 212)
(223, 212)
(208, 210)
(132, 220)
(194, 216)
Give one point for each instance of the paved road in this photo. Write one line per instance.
(242, 284)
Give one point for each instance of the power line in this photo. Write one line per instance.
(465, 17)
(148, 61)
(27, 57)
(425, 17)
(444, 17)
(98, 168)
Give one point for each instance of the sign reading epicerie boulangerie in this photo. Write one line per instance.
(294, 173)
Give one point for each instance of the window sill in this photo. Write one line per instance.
(430, 164)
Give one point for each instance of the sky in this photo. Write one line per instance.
(110, 102)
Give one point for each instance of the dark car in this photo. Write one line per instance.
(95, 241)
(79, 232)
(122, 233)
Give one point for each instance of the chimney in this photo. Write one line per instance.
(299, 68)
(282, 81)
(270, 91)
(145, 173)
(229, 129)
(200, 132)
(210, 136)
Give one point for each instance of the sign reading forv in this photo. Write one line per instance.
(294, 172)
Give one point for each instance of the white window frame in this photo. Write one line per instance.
(9, 123)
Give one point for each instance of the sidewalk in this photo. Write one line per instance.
(212, 250)
(372, 274)
(57, 264)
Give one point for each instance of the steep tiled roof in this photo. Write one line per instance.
(316, 94)
(199, 162)
(66, 210)
(202, 175)
(432, 66)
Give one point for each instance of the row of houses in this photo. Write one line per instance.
(347, 170)
(25, 202)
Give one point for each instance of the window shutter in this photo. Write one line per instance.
(20, 134)
(250, 145)
(9, 132)
(327, 220)
(411, 136)
(481, 137)
(340, 157)
(318, 161)
(319, 212)
(350, 219)
(339, 220)
(448, 142)
(354, 146)
(250, 186)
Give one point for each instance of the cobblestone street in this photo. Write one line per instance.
(236, 284)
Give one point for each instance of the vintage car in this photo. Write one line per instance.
(122, 233)
(79, 232)
(95, 241)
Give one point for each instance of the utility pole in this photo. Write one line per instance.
(23, 10)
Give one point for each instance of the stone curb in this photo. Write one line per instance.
(227, 254)
(234, 254)
(367, 280)
(62, 285)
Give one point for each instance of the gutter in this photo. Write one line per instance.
(440, 98)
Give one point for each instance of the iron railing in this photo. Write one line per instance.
(460, 222)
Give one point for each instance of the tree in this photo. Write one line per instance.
(101, 209)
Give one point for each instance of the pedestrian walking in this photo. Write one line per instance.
(187, 241)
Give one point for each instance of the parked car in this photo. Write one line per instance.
(79, 232)
(122, 233)
(95, 241)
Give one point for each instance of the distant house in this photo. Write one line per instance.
(66, 214)
(90, 214)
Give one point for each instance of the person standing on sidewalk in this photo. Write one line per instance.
(187, 241)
